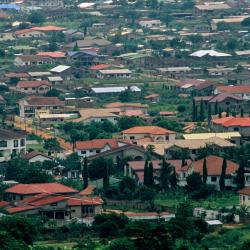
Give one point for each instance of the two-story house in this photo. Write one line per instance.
(33, 87)
(149, 133)
(11, 142)
(29, 105)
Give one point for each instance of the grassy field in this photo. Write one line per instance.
(216, 201)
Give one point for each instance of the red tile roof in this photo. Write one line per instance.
(4, 203)
(99, 66)
(56, 54)
(24, 31)
(132, 112)
(44, 101)
(232, 121)
(17, 74)
(49, 200)
(167, 113)
(18, 209)
(50, 188)
(245, 191)
(238, 89)
(214, 166)
(85, 201)
(32, 84)
(98, 144)
(151, 96)
(48, 28)
(154, 130)
(124, 104)
(88, 190)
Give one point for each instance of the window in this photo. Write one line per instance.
(236, 129)
(98, 151)
(83, 152)
(22, 142)
(167, 137)
(3, 144)
(213, 179)
(15, 143)
(131, 137)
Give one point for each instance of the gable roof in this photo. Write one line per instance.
(214, 166)
(245, 191)
(24, 31)
(223, 96)
(6, 134)
(41, 101)
(239, 89)
(232, 121)
(98, 144)
(154, 130)
(32, 84)
(50, 188)
(33, 154)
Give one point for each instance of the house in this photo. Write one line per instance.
(242, 91)
(233, 137)
(235, 20)
(135, 170)
(114, 73)
(214, 168)
(29, 105)
(230, 124)
(28, 33)
(85, 58)
(191, 146)
(22, 191)
(114, 90)
(211, 8)
(32, 60)
(96, 43)
(150, 133)
(45, 4)
(35, 156)
(97, 146)
(175, 72)
(33, 87)
(127, 106)
(11, 142)
(41, 75)
(96, 115)
(244, 195)
(49, 28)
(154, 98)
(55, 54)
(209, 53)
(22, 76)
(150, 23)
(63, 71)
(223, 101)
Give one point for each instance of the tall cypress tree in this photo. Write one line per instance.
(240, 177)
(227, 114)
(165, 174)
(209, 115)
(223, 175)
(220, 112)
(194, 111)
(85, 174)
(106, 175)
(204, 171)
(150, 175)
(216, 108)
(201, 110)
(241, 112)
(173, 178)
(145, 181)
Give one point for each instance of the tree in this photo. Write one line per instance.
(232, 44)
(122, 244)
(240, 177)
(146, 181)
(127, 183)
(106, 175)
(181, 108)
(150, 175)
(173, 179)
(8, 242)
(201, 110)
(241, 112)
(194, 182)
(216, 108)
(150, 149)
(36, 17)
(53, 92)
(220, 112)
(223, 174)
(227, 113)
(51, 143)
(165, 174)
(126, 122)
(204, 171)
(209, 115)
(194, 114)
(246, 22)
(85, 174)
(126, 96)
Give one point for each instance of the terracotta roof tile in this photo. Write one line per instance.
(214, 166)
(32, 84)
(245, 191)
(48, 28)
(124, 104)
(233, 121)
(40, 101)
(85, 201)
(155, 130)
(50, 188)
(239, 89)
(99, 144)
(55, 54)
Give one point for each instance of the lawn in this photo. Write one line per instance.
(216, 201)
(36, 147)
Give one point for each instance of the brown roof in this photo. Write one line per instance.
(32, 84)
(245, 191)
(223, 96)
(47, 101)
(11, 134)
(154, 130)
(214, 166)
(124, 104)
(50, 188)
(99, 144)
(34, 58)
(151, 96)
(17, 74)
(33, 154)
(239, 89)
(24, 31)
